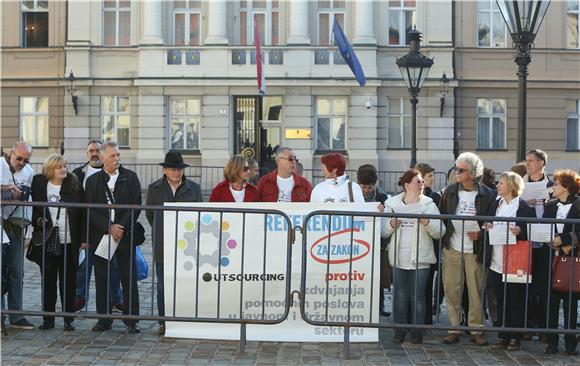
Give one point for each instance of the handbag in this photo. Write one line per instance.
(562, 267)
(141, 265)
(44, 238)
(517, 265)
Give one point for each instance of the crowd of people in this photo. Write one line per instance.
(423, 260)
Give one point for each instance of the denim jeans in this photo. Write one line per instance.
(160, 289)
(84, 278)
(15, 260)
(405, 295)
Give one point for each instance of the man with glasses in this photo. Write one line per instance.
(16, 219)
(283, 185)
(463, 244)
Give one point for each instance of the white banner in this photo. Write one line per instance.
(245, 277)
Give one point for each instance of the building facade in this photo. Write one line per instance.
(155, 75)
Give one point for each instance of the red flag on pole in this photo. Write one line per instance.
(259, 60)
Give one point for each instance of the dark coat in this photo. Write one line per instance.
(70, 192)
(160, 192)
(484, 198)
(221, 193)
(127, 192)
(550, 211)
(80, 172)
(268, 188)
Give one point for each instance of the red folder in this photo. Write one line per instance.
(517, 264)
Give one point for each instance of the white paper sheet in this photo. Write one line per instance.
(82, 256)
(409, 225)
(543, 233)
(5, 238)
(499, 233)
(535, 190)
(103, 248)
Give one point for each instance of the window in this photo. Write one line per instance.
(34, 23)
(399, 124)
(572, 26)
(115, 120)
(573, 125)
(117, 23)
(402, 17)
(34, 120)
(266, 13)
(187, 23)
(328, 11)
(491, 28)
(330, 123)
(184, 119)
(491, 126)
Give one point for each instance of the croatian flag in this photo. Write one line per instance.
(259, 60)
(348, 54)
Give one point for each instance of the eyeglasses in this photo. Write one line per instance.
(246, 168)
(460, 170)
(290, 159)
(20, 158)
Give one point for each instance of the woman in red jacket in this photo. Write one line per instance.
(234, 187)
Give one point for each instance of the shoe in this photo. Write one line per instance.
(479, 339)
(416, 338)
(514, 345)
(79, 304)
(551, 349)
(527, 337)
(22, 324)
(451, 339)
(385, 313)
(571, 352)
(500, 344)
(399, 336)
(133, 329)
(46, 325)
(117, 308)
(161, 330)
(101, 327)
(69, 327)
(543, 338)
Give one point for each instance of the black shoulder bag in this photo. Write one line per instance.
(47, 238)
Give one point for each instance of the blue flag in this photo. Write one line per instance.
(348, 54)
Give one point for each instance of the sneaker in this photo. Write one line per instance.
(22, 324)
(117, 308)
(79, 304)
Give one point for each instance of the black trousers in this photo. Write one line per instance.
(63, 270)
(128, 283)
(538, 300)
(555, 299)
(514, 302)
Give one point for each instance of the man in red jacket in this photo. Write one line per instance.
(283, 185)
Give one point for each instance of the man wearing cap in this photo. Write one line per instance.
(172, 187)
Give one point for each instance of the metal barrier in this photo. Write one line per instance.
(363, 322)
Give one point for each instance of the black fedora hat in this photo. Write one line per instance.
(173, 159)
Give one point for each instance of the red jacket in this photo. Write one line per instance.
(221, 193)
(268, 188)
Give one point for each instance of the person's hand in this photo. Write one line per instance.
(84, 246)
(395, 223)
(567, 249)
(424, 222)
(381, 207)
(473, 235)
(14, 190)
(487, 225)
(557, 241)
(41, 221)
(532, 202)
(117, 232)
(515, 230)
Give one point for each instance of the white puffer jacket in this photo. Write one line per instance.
(433, 230)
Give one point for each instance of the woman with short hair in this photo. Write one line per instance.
(235, 186)
(337, 186)
(56, 184)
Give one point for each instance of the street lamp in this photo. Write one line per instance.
(523, 19)
(444, 84)
(414, 67)
(72, 90)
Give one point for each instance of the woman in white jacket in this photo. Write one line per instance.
(410, 256)
(335, 187)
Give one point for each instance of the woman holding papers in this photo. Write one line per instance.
(234, 188)
(411, 251)
(566, 205)
(55, 185)
(511, 297)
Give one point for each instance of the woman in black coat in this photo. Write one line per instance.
(55, 185)
(566, 205)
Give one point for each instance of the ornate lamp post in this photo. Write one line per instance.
(72, 90)
(523, 19)
(414, 67)
(444, 84)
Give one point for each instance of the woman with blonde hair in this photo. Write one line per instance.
(234, 188)
(56, 184)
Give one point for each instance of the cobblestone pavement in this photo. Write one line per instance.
(116, 347)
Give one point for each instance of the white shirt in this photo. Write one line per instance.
(563, 211)
(90, 171)
(53, 196)
(504, 209)
(285, 186)
(19, 178)
(238, 195)
(111, 183)
(466, 207)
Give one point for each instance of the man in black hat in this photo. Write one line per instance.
(172, 187)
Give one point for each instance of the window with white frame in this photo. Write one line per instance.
(402, 17)
(34, 23)
(117, 23)
(328, 11)
(331, 115)
(34, 120)
(184, 120)
(573, 125)
(187, 22)
(491, 28)
(572, 26)
(116, 120)
(266, 14)
(491, 124)
(399, 124)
